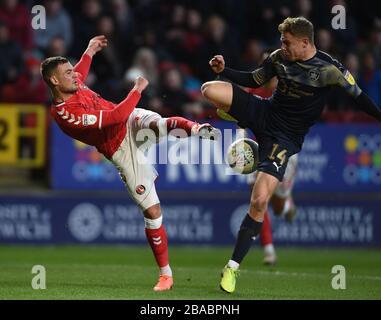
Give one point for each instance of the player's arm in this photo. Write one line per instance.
(344, 79)
(254, 79)
(123, 110)
(96, 44)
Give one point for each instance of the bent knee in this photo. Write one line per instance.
(259, 204)
(207, 89)
(219, 93)
(153, 212)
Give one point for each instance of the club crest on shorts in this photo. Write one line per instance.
(140, 189)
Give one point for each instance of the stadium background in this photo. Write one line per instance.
(54, 190)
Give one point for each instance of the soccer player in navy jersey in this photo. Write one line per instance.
(280, 123)
(113, 129)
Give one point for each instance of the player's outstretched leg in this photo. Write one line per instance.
(220, 94)
(181, 127)
(157, 238)
(250, 228)
(266, 239)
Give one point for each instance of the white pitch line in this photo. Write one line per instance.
(319, 275)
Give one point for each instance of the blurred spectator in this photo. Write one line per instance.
(252, 55)
(172, 90)
(217, 41)
(107, 66)
(374, 43)
(17, 17)
(124, 18)
(149, 38)
(11, 62)
(193, 37)
(318, 12)
(145, 60)
(325, 42)
(145, 64)
(303, 8)
(124, 22)
(175, 36)
(265, 16)
(58, 23)
(191, 84)
(29, 87)
(56, 47)
(85, 25)
(370, 78)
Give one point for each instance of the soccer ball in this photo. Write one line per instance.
(242, 155)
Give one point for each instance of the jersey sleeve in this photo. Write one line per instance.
(265, 72)
(341, 77)
(83, 66)
(254, 79)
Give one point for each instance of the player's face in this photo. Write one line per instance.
(66, 78)
(293, 48)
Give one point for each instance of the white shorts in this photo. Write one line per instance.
(284, 188)
(136, 173)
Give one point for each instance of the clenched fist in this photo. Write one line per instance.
(217, 63)
(140, 84)
(96, 44)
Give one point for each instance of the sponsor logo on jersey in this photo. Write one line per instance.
(348, 76)
(140, 189)
(314, 74)
(89, 119)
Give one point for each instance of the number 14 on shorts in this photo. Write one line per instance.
(275, 153)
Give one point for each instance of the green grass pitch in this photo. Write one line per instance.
(129, 272)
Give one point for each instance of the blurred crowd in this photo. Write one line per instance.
(171, 42)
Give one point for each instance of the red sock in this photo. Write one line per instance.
(266, 233)
(157, 239)
(180, 123)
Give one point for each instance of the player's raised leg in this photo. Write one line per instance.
(219, 93)
(183, 127)
(157, 238)
(250, 227)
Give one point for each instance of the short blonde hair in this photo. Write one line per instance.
(298, 27)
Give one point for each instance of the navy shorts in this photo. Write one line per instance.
(275, 148)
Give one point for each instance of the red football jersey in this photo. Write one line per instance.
(89, 118)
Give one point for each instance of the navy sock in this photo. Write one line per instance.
(249, 229)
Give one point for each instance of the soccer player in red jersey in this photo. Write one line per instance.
(114, 130)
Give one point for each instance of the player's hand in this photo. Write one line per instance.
(96, 44)
(140, 84)
(217, 63)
